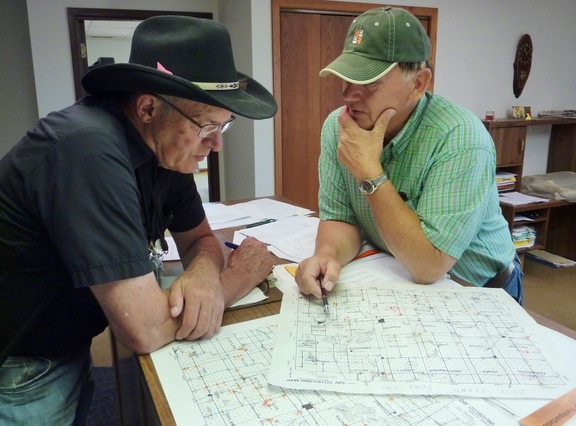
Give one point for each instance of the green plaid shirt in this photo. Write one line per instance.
(444, 160)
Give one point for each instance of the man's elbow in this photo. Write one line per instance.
(428, 275)
(141, 343)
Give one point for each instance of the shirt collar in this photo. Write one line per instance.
(402, 139)
(140, 153)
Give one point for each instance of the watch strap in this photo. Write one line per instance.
(369, 186)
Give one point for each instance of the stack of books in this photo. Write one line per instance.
(523, 236)
(564, 113)
(505, 181)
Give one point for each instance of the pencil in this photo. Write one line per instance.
(324, 297)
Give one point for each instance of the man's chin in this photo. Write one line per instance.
(185, 169)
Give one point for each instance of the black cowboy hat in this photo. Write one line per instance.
(186, 57)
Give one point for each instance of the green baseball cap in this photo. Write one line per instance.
(377, 40)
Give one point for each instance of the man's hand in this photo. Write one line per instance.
(360, 150)
(247, 266)
(198, 296)
(317, 270)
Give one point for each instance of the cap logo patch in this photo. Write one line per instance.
(358, 36)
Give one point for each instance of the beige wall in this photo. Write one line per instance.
(17, 89)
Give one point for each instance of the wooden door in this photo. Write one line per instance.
(307, 35)
(306, 98)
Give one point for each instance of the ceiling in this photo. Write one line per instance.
(113, 30)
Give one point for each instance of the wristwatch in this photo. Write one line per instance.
(368, 186)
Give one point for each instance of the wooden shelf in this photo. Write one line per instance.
(554, 221)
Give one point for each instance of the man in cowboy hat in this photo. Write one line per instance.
(89, 192)
(406, 169)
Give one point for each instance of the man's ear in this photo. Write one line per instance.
(421, 82)
(147, 107)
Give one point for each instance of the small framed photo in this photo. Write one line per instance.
(518, 112)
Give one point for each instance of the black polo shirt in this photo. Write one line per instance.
(81, 196)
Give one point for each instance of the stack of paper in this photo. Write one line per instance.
(221, 216)
(550, 259)
(516, 198)
(292, 238)
(523, 236)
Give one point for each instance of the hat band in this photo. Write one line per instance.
(218, 86)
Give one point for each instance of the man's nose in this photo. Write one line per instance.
(214, 142)
(351, 91)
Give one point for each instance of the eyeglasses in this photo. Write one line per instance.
(206, 130)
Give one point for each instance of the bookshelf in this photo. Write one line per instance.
(554, 221)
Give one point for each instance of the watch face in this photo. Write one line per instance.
(367, 187)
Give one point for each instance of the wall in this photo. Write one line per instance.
(476, 45)
(51, 43)
(17, 90)
(117, 49)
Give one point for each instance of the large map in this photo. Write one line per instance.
(223, 381)
(398, 337)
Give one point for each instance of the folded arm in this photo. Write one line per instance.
(144, 317)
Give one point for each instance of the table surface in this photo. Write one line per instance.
(264, 309)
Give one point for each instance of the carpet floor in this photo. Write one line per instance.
(551, 292)
(104, 407)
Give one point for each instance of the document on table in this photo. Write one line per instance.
(222, 381)
(222, 216)
(398, 337)
(292, 238)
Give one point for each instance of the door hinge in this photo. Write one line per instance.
(83, 51)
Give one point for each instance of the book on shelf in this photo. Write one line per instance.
(505, 181)
(549, 259)
(523, 236)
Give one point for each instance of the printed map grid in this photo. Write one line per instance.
(222, 381)
(391, 339)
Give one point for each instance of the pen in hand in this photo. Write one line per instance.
(231, 245)
(324, 297)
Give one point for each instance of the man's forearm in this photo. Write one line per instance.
(206, 249)
(339, 240)
(401, 230)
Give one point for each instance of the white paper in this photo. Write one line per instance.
(172, 250)
(222, 381)
(221, 216)
(254, 296)
(400, 337)
(274, 208)
(292, 238)
(517, 198)
(520, 217)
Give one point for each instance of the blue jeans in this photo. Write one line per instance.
(514, 286)
(41, 391)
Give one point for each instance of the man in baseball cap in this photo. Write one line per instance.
(406, 169)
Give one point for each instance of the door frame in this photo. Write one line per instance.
(328, 7)
(77, 17)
